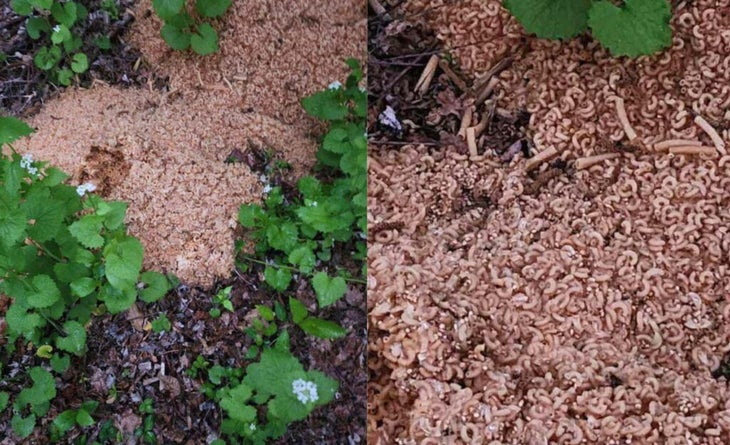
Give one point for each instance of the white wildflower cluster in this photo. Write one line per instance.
(27, 163)
(336, 85)
(305, 391)
(252, 427)
(57, 28)
(267, 188)
(83, 188)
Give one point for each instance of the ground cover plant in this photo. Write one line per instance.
(184, 29)
(65, 256)
(631, 28)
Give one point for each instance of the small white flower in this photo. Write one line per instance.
(363, 89)
(26, 162)
(305, 391)
(267, 188)
(252, 427)
(83, 188)
(263, 179)
(57, 28)
(314, 204)
(335, 85)
(389, 119)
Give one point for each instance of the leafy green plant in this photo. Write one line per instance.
(182, 31)
(65, 255)
(636, 27)
(161, 324)
(72, 417)
(222, 299)
(53, 21)
(296, 236)
(146, 431)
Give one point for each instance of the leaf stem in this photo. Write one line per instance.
(46, 251)
(281, 266)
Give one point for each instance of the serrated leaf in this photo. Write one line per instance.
(248, 214)
(298, 310)
(65, 421)
(12, 129)
(277, 277)
(117, 300)
(113, 213)
(177, 38)
(310, 187)
(551, 19)
(123, 263)
(12, 225)
(43, 390)
(303, 257)
(328, 290)
(270, 374)
(205, 41)
(75, 340)
(64, 13)
(166, 9)
(156, 286)
(45, 292)
(87, 231)
(83, 287)
(322, 328)
(212, 8)
(336, 141)
(265, 312)
(21, 321)
(235, 404)
(84, 419)
(282, 237)
(325, 105)
(638, 27)
(79, 63)
(23, 427)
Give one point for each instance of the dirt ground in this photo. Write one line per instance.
(526, 298)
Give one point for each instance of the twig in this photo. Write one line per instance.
(712, 133)
(427, 76)
(663, 145)
(589, 161)
(471, 141)
(458, 81)
(621, 111)
(543, 156)
(380, 10)
(693, 150)
(466, 121)
(487, 90)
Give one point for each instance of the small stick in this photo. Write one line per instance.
(458, 81)
(427, 76)
(466, 121)
(712, 133)
(663, 145)
(589, 161)
(494, 70)
(380, 10)
(488, 89)
(693, 150)
(543, 156)
(621, 110)
(471, 140)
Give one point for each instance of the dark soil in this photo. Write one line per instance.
(24, 87)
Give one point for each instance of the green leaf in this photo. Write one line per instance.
(123, 263)
(552, 19)
(21, 321)
(12, 225)
(326, 387)
(44, 351)
(84, 419)
(83, 287)
(248, 215)
(73, 44)
(47, 213)
(36, 26)
(60, 34)
(4, 397)
(298, 310)
(45, 292)
(328, 290)
(12, 129)
(639, 27)
(156, 286)
(117, 300)
(310, 187)
(64, 76)
(65, 421)
(46, 58)
(265, 312)
(23, 427)
(42, 5)
(269, 376)
(87, 231)
(75, 340)
(336, 141)
(166, 9)
(205, 41)
(283, 237)
(177, 38)
(103, 43)
(113, 213)
(64, 13)
(322, 328)
(326, 105)
(38, 395)
(212, 8)
(303, 257)
(161, 324)
(277, 277)
(79, 63)
(235, 404)
(60, 363)
(22, 7)
(216, 373)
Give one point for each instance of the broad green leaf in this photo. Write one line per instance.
(326, 387)
(70, 272)
(235, 402)
(322, 328)
(325, 105)
(273, 373)
(552, 19)
(79, 63)
(46, 58)
(64, 13)
(43, 390)
(60, 363)
(248, 215)
(44, 351)
(113, 213)
(22, 7)
(212, 8)
(123, 263)
(167, 8)
(638, 27)
(23, 427)
(45, 292)
(328, 290)
(43, 5)
(12, 129)
(177, 38)
(75, 340)
(103, 43)
(65, 76)
(265, 312)
(21, 321)
(73, 44)
(277, 277)
(12, 225)
(298, 310)
(283, 237)
(117, 300)
(83, 287)
(4, 396)
(87, 231)
(60, 34)
(303, 257)
(65, 421)
(84, 419)
(36, 26)
(216, 374)
(310, 187)
(205, 41)
(336, 141)
(156, 286)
